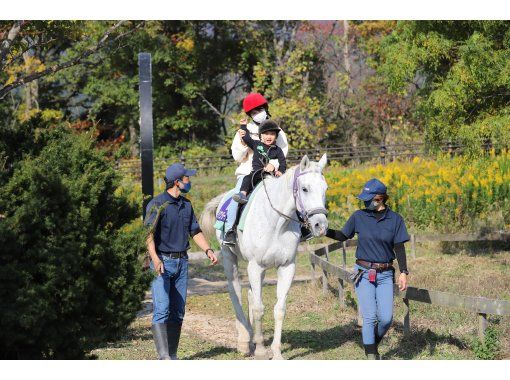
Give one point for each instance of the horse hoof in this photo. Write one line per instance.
(244, 349)
(261, 354)
(277, 354)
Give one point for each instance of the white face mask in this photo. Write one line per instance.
(260, 117)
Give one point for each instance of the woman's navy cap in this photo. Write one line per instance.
(371, 189)
(177, 171)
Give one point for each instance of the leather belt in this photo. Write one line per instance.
(377, 266)
(175, 255)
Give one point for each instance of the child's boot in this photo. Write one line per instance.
(240, 198)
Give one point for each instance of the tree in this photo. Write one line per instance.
(461, 72)
(70, 272)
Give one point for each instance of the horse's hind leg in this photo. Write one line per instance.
(285, 277)
(256, 276)
(244, 330)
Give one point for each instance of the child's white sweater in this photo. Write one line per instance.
(244, 154)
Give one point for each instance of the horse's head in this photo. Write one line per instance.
(310, 193)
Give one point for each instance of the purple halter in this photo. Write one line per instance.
(299, 203)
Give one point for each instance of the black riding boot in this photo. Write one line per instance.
(371, 351)
(159, 332)
(174, 333)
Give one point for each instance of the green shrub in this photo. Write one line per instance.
(70, 277)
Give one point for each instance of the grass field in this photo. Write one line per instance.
(317, 327)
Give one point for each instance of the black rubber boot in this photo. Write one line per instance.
(160, 334)
(371, 351)
(377, 341)
(174, 334)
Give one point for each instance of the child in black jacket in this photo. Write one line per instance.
(263, 151)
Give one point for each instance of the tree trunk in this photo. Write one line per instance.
(133, 140)
(31, 88)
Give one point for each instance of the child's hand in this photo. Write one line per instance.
(278, 173)
(243, 121)
(242, 133)
(269, 168)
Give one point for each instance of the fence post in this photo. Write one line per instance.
(344, 255)
(482, 325)
(413, 246)
(407, 319)
(325, 274)
(341, 296)
(382, 154)
(314, 279)
(450, 148)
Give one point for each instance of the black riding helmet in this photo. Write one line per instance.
(269, 125)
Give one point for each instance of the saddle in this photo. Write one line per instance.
(221, 216)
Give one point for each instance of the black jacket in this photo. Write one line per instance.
(262, 153)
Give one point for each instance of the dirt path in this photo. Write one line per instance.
(214, 329)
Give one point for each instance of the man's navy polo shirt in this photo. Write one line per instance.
(177, 223)
(376, 239)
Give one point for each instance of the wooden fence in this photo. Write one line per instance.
(480, 305)
(343, 154)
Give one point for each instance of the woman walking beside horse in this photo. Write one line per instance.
(381, 236)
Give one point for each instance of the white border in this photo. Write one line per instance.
(255, 9)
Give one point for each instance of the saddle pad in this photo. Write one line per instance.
(221, 216)
(247, 207)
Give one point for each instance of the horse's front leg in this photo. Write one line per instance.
(244, 330)
(285, 277)
(256, 277)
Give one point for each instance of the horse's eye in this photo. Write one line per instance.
(305, 189)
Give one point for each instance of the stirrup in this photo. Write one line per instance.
(240, 198)
(230, 237)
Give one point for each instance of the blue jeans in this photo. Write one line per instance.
(169, 291)
(376, 304)
(232, 207)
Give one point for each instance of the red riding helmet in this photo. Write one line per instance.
(252, 101)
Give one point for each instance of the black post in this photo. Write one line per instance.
(146, 142)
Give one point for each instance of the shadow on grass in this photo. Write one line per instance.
(409, 347)
(474, 248)
(210, 353)
(315, 341)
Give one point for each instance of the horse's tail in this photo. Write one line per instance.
(208, 216)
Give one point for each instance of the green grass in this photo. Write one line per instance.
(137, 344)
(317, 327)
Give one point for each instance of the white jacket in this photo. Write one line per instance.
(244, 155)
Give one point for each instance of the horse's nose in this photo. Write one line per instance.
(321, 228)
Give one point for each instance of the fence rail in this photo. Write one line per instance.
(336, 153)
(479, 305)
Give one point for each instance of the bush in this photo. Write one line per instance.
(70, 276)
(446, 194)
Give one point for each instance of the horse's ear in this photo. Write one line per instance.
(305, 163)
(323, 161)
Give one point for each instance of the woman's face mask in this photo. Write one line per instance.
(372, 205)
(260, 117)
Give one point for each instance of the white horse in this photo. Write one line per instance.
(270, 239)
